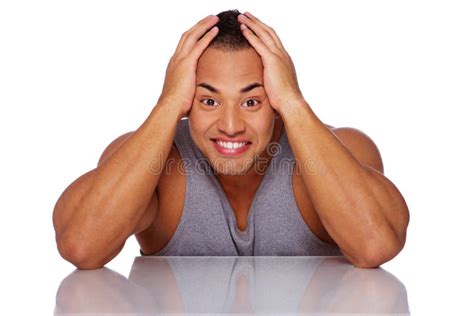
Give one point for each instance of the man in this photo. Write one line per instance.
(216, 182)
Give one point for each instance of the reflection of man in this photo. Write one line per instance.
(234, 285)
(192, 186)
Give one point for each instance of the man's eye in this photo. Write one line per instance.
(209, 102)
(251, 102)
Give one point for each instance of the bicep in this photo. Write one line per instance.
(149, 214)
(366, 152)
(74, 192)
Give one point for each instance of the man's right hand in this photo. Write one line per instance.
(180, 79)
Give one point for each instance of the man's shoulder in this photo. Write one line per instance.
(113, 146)
(362, 147)
(330, 127)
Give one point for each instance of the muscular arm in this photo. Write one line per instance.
(360, 208)
(96, 214)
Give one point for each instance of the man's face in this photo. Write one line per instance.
(223, 112)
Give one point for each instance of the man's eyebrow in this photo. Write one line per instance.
(243, 90)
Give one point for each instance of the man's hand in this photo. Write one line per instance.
(279, 75)
(180, 80)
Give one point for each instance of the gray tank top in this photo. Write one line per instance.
(208, 227)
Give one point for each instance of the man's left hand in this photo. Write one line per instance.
(279, 75)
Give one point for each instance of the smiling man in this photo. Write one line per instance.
(233, 161)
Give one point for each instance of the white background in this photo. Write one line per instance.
(75, 75)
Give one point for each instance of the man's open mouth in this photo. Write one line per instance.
(231, 148)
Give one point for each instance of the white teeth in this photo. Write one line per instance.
(230, 145)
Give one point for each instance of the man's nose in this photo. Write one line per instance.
(230, 121)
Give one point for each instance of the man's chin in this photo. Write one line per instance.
(231, 171)
(229, 168)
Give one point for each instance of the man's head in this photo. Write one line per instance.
(230, 101)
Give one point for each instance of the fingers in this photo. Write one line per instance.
(190, 37)
(202, 44)
(267, 28)
(255, 41)
(256, 24)
(185, 34)
(260, 32)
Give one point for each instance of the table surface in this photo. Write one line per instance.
(286, 285)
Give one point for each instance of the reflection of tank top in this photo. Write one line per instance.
(208, 226)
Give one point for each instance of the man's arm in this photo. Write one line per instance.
(361, 209)
(96, 214)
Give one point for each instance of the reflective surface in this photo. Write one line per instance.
(221, 285)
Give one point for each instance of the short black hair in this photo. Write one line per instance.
(229, 37)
